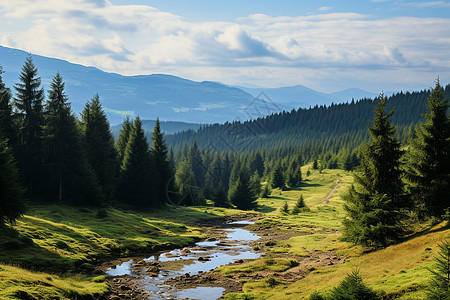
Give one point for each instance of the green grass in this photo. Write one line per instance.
(400, 270)
(55, 239)
(58, 238)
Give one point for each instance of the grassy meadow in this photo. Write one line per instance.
(399, 271)
(51, 252)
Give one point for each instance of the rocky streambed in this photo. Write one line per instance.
(185, 273)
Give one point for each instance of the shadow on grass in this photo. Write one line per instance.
(265, 208)
(430, 229)
(305, 183)
(19, 249)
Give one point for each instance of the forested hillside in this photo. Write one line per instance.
(315, 131)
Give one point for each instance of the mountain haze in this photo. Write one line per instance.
(168, 97)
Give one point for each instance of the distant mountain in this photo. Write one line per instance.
(168, 97)
(301, 96)
(149, 96)
(168, 127)
(353, 93)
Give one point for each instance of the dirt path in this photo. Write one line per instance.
(327, 199)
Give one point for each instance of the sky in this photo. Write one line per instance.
(376, 45)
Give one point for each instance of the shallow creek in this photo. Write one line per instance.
(202, 257)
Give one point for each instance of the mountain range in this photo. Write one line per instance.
(168, 97)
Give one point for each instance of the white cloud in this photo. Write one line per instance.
(258, 49)
(324, 8)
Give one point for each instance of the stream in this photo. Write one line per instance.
(202, 257)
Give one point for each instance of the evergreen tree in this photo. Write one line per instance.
(255, 184)
(134, 188)
(294, 174)
(353, 288)
(160, 169)
(6, 115)
(241, 194)
(28, 103)
(196, 162)
(278, 177)
(284, 210)
(299, 206)
(68, 172)
(189, 191)
(439, 284)
(266, 191)
(428, 169)
(11, 200)
(100, 148)
(220, 197)
(373, 204)
(122, 140)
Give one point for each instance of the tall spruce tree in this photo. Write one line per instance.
(278, 177)
(161, 173)
(188, 188)
(122, 139)
(69, 177)
(428, 168)
(101, 152)
(134, 188)
(28, 103)
(374, 203)
(11, 200)
(6, 115)
(241, 194)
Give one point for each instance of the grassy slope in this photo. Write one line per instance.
(399, 270)
(57, 239)
(66, 238)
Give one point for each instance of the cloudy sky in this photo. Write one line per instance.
(325, 45)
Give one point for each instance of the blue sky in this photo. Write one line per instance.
(325, 45)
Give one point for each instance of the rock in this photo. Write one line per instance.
(239, 261)
(153, 274)
(201, 258)
(153, 269)
(211, 240)
(114, 297)
(125, 288)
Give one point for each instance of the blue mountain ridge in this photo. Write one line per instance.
(168, 97)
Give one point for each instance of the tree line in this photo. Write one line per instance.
(48, 154)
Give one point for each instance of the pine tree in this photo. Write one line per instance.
(278, 177)
(353, 288)
(134, 186)
(68, 172)
(6, 114)
(428, 169)
(373, 204)
(196, 162)
(122, 140)
(284, 210)
(11, 200)
(28, 103)
(101, 152)
(255, 184)
(160, 169)
(299, 206)
(220, 197)
(241, 194)
(439, 283)
(189, 191)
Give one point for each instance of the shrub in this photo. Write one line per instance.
(439, 284)
(353, 288)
